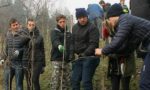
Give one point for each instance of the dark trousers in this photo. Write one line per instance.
(83, 70)
(35, 75)
(115, 80)
(145, 74)
(9, 73)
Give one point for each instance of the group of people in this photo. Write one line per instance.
(24, 50)
(23, 55)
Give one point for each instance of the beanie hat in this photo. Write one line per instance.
(115, 10)
(80, 12)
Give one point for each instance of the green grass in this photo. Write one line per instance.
(100, 81)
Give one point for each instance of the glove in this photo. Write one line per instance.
(1, 62)
(16, 53)
(61, 48)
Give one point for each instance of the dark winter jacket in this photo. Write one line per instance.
(131, 30)
(115, 61)
(57, 38)
(85, 39)
(35, 49)
(140, 8)
(15, 42)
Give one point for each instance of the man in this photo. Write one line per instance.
(85, 39)
(15, 42)
(60, 55)
(131, 31)
(121, 66)
(34, 56)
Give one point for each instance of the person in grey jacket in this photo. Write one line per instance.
(131, 31)
(15, 43)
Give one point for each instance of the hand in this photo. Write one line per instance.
(98, 51)
(16, 52)
(61, 48)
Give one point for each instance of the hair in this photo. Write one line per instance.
(12, 20)
(30, 19)
(102, 2)
(60, 17)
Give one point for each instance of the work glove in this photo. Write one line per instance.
(1, 61)
(61, 48)
(16, 52)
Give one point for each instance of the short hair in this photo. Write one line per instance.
(30, 19)
(102, 2)
(12, 20)
(60, 17)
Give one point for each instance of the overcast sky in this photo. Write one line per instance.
(73, 4)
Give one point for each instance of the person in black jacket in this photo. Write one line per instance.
(15, 43)
(85, 37)
(60, 55)
(131, 31)
(34, 56)
(141, 9)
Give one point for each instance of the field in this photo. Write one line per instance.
(101, 82)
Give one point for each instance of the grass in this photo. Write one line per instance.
(100, 81)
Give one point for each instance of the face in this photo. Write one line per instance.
(83, 20)
(122, 2)
(14, 26)
(30, 25)
(62, 23)
(113, 21)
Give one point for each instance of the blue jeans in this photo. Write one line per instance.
(9, 73)
(145, 72)
(83, 70)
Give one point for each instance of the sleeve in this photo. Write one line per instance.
(55, 39)
(4, 48)
(124, 29)
(93, 41)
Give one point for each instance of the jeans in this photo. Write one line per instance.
(145, 72)
(9, 73)
(83, 70)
